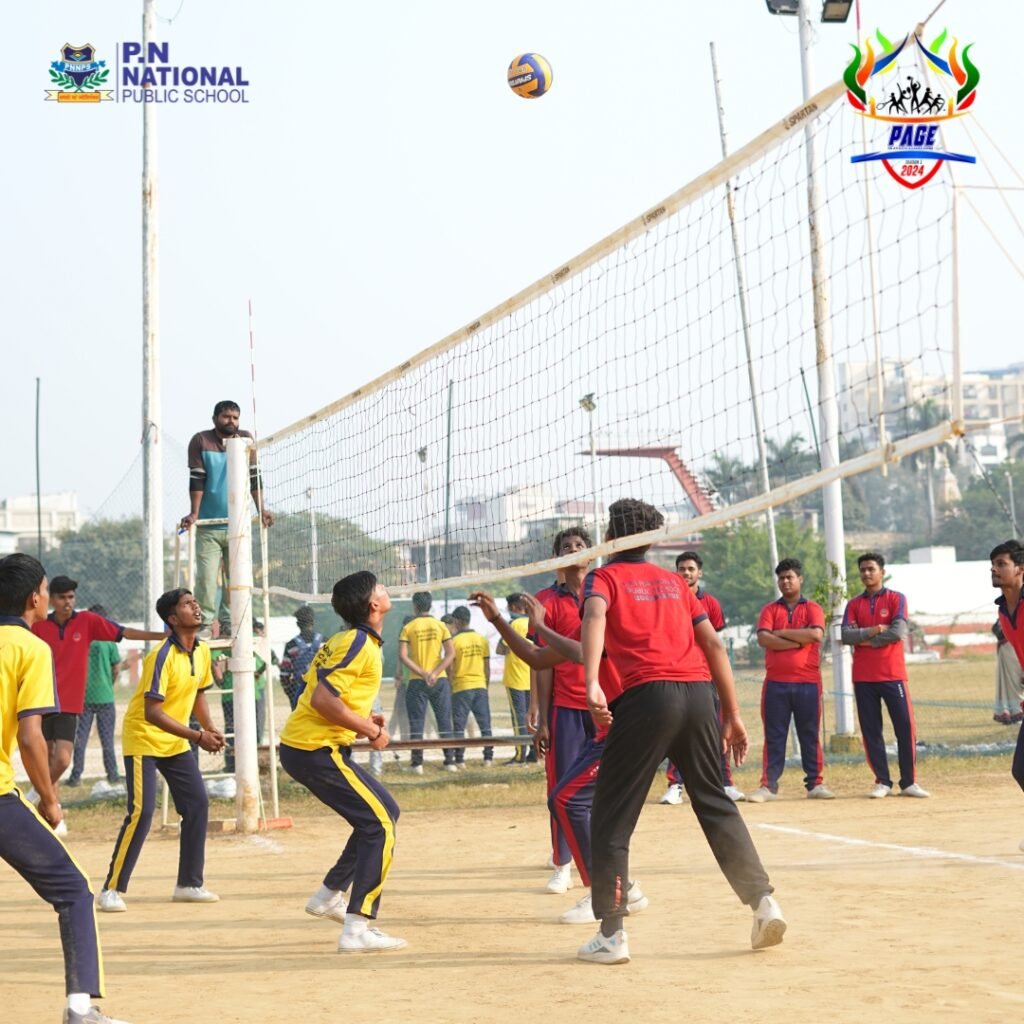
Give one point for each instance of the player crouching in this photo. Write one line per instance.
(316, 750)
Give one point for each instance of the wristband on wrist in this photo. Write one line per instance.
(199, 738)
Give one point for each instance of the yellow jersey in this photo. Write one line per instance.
(425, 636)
(516, 675)
(350, 665)
(27, 687)
(173, 675)
(471, 654)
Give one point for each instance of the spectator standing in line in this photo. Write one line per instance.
(104, 665)
(208, 493)
(425, 648)
(299, 652)
(875, 626)
(790, 631)
(515, 677)
(471, 674)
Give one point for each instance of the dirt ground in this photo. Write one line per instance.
(901, 910)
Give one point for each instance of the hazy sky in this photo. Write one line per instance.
(381, 187)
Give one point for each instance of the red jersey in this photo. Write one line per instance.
(562, 614)
(1013, 625)
(800, 664)
(650, 620)
(877, 664)
(70, 646)
(715, 616)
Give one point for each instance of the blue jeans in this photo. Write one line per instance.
(439, 696)
(465, 703)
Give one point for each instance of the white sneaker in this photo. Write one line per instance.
(914, 790)
(583, 912)
(413, 769)
(327, 904)
(61, 828)
(369, 940)
(560, 880)
(762, 795)
(673, 795)
(820, 792)
(880, 791)
(605, 950)
(735, 795)
(110, 902)
(769, 924)
(193, 894)
(94, 1015)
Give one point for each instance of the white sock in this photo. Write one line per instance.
(355, 924)
(79, 1002)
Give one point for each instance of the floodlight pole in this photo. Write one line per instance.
(152, 486)
(741, 293)
(828, 407)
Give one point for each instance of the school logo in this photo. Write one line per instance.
(78, 76)
(910, 91)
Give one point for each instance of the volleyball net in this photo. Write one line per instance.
(625, 372)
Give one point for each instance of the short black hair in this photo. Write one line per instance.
(351, 596)
(574, 531)
(689, 556)
(305, 614)
(790, 563)
(631, 515)
(63, 585)
(871, 556)
(224, 406)
(422, 601)
(99, 610)
(462, 614)
(447, 618)
(166, 603)
(21, 576)
(1010, 547)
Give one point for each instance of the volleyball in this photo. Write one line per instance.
(529, 75)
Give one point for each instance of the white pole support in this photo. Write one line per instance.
(828, 406)
(242, 663)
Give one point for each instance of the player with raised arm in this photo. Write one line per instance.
(156, 737)
(316, 750)
(27, 841)
(571, 799)
(650, 625)
(875, 626)
(564, 728)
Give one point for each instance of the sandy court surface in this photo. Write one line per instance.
(880, 928)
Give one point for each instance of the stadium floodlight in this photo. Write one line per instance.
(587, 402)
(421, 454)
(832, 11)
(836, 11)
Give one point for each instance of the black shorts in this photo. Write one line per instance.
(60, 726)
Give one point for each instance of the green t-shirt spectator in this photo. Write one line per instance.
(226, 682)
(104, 657)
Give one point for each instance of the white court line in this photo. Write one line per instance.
(926, 852)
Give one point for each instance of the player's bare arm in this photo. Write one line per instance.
(771, 641)
(331, 707)
(592, 641)
(536, 657)
(36, 759)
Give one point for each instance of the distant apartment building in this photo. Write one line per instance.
(58, 512)
(988, 395)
